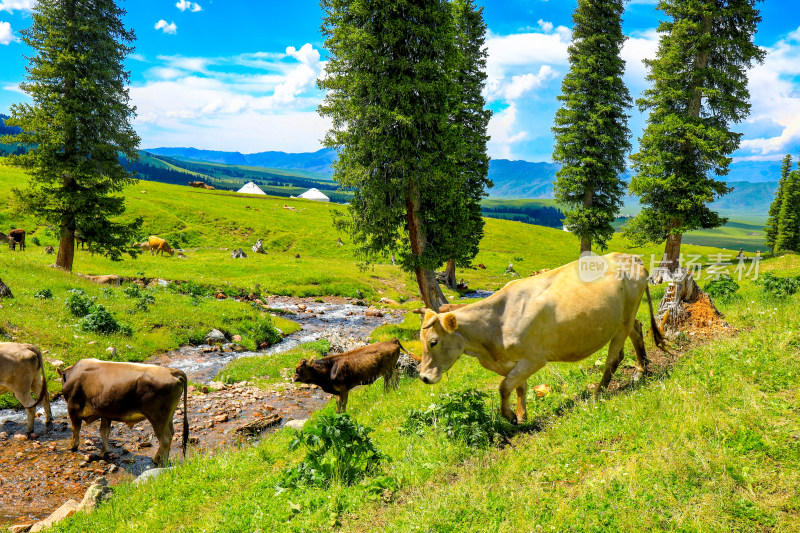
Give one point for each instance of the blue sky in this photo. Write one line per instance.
(240, 76)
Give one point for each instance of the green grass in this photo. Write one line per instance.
(272, 368)
(710, 445)
(733, 236)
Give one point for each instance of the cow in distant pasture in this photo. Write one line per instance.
(22, 372)
(337, 374)
(125, 392)
(143, 246)
(159, 245)
(19, 236)
(5, 239)
(80, 239)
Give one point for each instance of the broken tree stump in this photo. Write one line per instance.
(686, 308)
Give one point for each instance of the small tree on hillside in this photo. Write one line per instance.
(789, 229)
(698, 86)
(78, 124)
(591, 128)
(471, 119)
(774, 220)
(390, 95)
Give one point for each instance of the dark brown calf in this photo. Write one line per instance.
(19, 236)
(337, 374)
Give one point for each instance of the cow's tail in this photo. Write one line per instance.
(658, 335)
(411, 355)
(40, 361)
(185, 416)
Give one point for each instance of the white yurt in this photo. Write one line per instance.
(251, 188)
(314, 194)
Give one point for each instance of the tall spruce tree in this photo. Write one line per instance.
(698, 86)
(591, 127)
(774, 219)
(471, 119)
(390, 93)
(78, 124)
(788, 239)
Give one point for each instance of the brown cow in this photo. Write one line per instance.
(80, 240)
(20, 368)
(125, 392)
(159, 245)
(19, 236)
(337, 374)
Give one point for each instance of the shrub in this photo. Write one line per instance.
(461, 415)
(337, 449)
(265, 332)
(43, 294)
(133, 291)
(35, 240)
(144, 302)
(99, 320)
(78, 303)
(779, 287)
(722, 288)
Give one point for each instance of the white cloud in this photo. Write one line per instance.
(547, 27)
(17, 5)
(502, 128)
(183, 5)
(168, 28)
(776, 99)
(640, 45)
(6, 33)
(209, 102)
(521, 84)
(302, 78)
(508, 53)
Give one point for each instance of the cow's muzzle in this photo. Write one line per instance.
(429, 378)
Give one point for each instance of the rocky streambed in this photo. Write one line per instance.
(38, 475)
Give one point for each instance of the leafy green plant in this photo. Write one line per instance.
(461, 415)
(133, 291)
(779, 287)
(144, 302)
(723, 288)
(337, 449)
(43, 294)
(265, 332)
(78, 303)
(35, 240)
(191, 288)
(99, 320)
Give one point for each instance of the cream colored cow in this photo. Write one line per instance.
(21, 371)
(566, 314)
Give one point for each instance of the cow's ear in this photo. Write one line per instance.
(302, 363)
(60, 371)
(430, 318)
(449, 322)
(419, 311)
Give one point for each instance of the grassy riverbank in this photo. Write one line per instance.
(709, 444)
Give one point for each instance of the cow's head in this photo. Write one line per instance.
(64, 373)
(302, 372)
(442, 345)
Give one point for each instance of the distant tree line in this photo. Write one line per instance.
(160, 174)
(538, 215)
(783, 224)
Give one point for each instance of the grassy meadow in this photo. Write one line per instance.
(712, 443)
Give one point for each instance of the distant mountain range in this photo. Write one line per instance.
(754, 182)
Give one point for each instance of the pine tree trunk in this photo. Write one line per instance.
(672, 252)
(450, 274)
(586, 238)
(66, 249)
(426, 279)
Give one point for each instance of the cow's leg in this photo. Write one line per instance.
(637, 338)
(75, 418)
(105, 430)
(38, 383)
(522, 402)
(23, 396)
(164, 432)
(515, 379)
(341, 401)
(615, 354)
